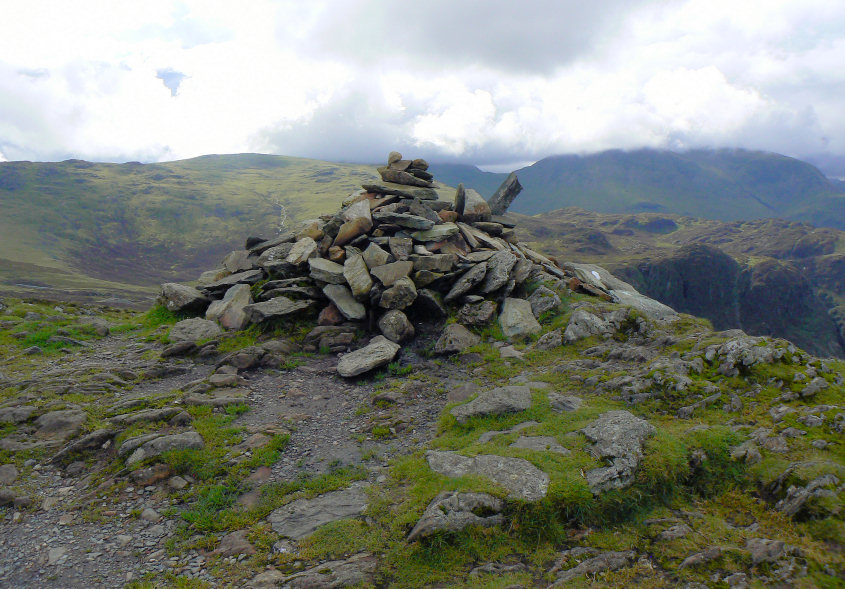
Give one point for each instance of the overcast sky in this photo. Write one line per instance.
(490, 82)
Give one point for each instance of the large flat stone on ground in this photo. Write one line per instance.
(522, 479)
(185, 441)
(302, 517)
(181, 298)
(507, 399)
(358, 570)
(62, 424)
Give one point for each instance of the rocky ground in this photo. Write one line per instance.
(462, 412)
(623, 452)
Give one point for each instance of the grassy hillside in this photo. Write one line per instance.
(726, 185)
(74, 224)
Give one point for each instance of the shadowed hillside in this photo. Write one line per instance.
(767, 277)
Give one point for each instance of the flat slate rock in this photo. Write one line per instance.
(507, 399)
(302, 517)
(194, 329)
(487, 436)
(560, 403)
(358, 570)
(345, 302)
(377, 353)
(274, 309)
(522, 479)
(190, 440)
(61, 424)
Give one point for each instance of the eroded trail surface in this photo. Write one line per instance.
(93, 524)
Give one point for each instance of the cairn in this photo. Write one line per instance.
(394, 255)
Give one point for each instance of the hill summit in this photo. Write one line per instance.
(541, 423)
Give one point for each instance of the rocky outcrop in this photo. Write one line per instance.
(497, 401)
(617, 436)
(772, 297)
(452, 512)
(520, 478)
(302, 517)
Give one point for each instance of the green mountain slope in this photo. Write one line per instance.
(726, 185)
(72, 225)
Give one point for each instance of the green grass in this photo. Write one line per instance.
(117, 225)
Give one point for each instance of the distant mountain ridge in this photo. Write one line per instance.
(724, 185)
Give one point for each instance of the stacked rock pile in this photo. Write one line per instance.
(393, 255)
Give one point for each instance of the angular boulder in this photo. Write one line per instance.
(342, 298)
(275, 308)
(466, 282)
(326, 271)
(455, 339)
(388, 274)
(377, 353)
(542, 300)
(452, 512)
(229, 311)
(394, 325)
(498, 271)
(193, 330)
(302, 251)
(357, 275)
(504, 195)
(517, 320)
(399, 296)
(180, 298)
(475, 207)
(584, 324)
(497, 401)
(618, 437)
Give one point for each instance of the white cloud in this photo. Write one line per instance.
(490, 83)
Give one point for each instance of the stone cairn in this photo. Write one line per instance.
(393, 254)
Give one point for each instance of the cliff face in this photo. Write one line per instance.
(766, 277)
(770, 297)
(700, 279)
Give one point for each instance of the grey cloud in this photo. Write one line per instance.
(33, 73)
(518, 36)
(350, 129)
